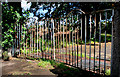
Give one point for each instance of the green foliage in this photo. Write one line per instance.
(5, 56)
(108, 72)
(10, 18)
(108, 37)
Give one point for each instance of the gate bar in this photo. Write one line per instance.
(77, 40)
(105, 43)
(94, 39)
(66, 40)
(72, 41)
(81, 42)
(85, 38)
(90, 42)
(99, 42)
(112, 38)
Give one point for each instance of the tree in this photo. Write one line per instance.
(11, 17)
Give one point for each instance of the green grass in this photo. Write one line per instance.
(44, 64)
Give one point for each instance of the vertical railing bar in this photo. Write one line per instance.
(99, 42)
(44, 41)
(40, 41)
(77, 40)
(30, 41)
(58, 42)
(37, 39)
(51, 38)
(42, 38)
(72, 40)
(85, 39)
(17, 36)
(54, 39)
(69, 41)
(63, 42)
(48, 36)
(94, 39)
(45, 38)
(81, 42)
(15, 41)
(26, 40)
(34, 38)
(19, 39)
(90, 43)
(105, 43)
(112, 38)
(55, 36)
(66, 40)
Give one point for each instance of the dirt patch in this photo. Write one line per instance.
(23, 67)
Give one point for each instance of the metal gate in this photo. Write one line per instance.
(79, 39)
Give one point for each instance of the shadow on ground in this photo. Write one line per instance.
(63, 70)
(41, 68)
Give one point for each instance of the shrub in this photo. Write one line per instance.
(5, 56)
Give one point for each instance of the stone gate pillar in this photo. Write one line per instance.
(115, 67)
